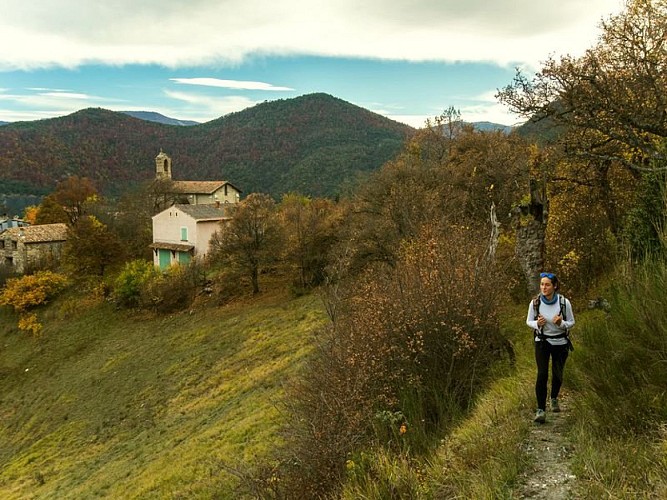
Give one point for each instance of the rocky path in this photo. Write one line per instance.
(549, 450)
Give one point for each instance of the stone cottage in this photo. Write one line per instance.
(22, 247)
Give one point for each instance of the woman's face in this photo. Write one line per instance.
(547, 288)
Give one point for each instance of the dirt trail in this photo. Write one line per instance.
(547, 446)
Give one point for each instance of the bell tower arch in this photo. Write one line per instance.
(162, 166)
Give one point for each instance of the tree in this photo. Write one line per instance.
(609, 109)
(250, 241)
(310, 230)
(612, 101)
(51, 212)
(72, 193)
(91, 248)
(30, 214)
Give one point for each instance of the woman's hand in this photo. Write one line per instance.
(541, 320)
(557, 319)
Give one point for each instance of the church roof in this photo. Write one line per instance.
(38, 234)
(205, 212)
(199, 187)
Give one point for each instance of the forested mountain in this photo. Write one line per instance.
(312, 144)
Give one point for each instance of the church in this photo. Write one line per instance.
(183, 231)
(195, 192)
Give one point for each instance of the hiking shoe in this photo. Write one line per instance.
(540, 416)
(554, 405)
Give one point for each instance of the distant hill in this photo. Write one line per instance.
(152, 116)
(3, 123)
(490, 126)
(312, 144)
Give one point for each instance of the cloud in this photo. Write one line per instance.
(173, 33)
(37, 105)
(203, 108)
(230, 84)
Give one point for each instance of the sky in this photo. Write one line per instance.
(198, 60)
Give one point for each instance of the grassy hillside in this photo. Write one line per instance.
(111, 404)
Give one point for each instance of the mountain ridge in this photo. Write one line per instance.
(312, 144)
(153, 116)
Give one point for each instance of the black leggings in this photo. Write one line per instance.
(558, 353)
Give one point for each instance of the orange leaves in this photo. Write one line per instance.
(30, 291)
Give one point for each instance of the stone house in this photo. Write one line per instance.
(22, 247)
(183, 232)
(195, 192)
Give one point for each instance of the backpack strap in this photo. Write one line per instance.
(563, 313)
(563, 308)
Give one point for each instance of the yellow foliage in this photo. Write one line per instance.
(32, 290)
(28, 292)
(28, 323)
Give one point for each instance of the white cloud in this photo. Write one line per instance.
(230, 84)
(67, 95)
(203, 108)
(176, 34)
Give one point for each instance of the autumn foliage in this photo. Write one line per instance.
(28, 292)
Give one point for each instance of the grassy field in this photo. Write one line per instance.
(112, 404)
(119, 405)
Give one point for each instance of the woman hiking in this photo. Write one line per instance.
(550, 316)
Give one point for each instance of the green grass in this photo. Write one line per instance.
(113, 404)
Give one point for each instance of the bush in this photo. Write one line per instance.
(174, 290)
(625, 356)
(132, 279)
(28, 292)
(407, 349)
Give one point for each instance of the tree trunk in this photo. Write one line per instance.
(255, 281)
(531, 228)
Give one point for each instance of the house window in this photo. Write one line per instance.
(9, 261)
(225, 189)
(184, 234)
(15, 244)
(2, 243)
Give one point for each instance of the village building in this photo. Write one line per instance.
(6, 222)
(183, 232)
(26, 246)
(195, 192)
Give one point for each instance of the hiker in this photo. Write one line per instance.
(550, 317)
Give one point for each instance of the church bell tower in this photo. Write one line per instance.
(162, 166)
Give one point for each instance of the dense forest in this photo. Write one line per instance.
(313, 144)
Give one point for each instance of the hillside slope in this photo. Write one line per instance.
(106, 404)
(314, 144)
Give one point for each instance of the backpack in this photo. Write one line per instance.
(538, 332)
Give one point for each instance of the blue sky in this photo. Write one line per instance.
(201, 59)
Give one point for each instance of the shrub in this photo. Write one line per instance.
(28, 292)
(625, 356)
(174, 290)
(132, 279)
(407, 349)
